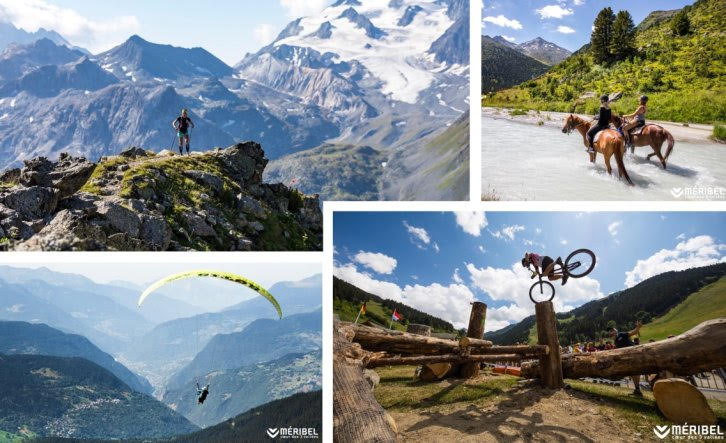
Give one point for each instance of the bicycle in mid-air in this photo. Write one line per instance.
(578, 264)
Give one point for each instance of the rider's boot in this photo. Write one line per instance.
(565, 275)
(591, 148)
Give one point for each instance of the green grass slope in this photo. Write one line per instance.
(347, 300)
(684, 76)
(706, 304)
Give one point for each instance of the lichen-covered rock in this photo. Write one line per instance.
(211, 200)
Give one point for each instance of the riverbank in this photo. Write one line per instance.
(693, 133)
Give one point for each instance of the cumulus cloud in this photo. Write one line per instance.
(512, 285)
(301, 8)
(578, 2)
(264, 33)
(565, 30)
(419, 236)
(681, 236)
(553, 11)
(508, 38)
(702, 250)
(507, 232)
(503, 21)
(381, 263)
(449, 302)
(456, 277)
(31, 15)
(472, 222)
(614, 227)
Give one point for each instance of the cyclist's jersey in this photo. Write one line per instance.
(535, 259)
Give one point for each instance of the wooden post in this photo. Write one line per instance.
(550, 363)
(476, 331)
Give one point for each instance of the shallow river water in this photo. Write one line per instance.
(522, 161)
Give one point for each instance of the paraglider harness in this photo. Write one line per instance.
(202, 393)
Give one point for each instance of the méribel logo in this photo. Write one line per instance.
(662, 431)
(273, 432)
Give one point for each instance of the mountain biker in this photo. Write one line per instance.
(622, 340)
(603, 122)
(202, 393)
(546, 264)
(182, 124)
(636, 119)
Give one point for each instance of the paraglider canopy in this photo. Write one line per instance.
(215, 274)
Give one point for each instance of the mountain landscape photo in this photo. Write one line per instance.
(82, 358)
(437, 317)
(370, 84)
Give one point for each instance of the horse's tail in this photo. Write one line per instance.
(670, 144)
(619, 153)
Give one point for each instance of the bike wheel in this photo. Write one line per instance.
(545, 291)
(582, 259)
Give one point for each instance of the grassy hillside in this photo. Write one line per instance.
(681, 299)
(347, 300)
(706, 304)
(684, 76)
(502, 67)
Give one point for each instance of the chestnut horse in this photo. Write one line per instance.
(608, 144)
(652, 135)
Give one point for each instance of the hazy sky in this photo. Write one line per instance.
(567, 23)
(142, 273)
(226, 28)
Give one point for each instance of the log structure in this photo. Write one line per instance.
(476, 332)
(445, 358)
(397, 342)
(414, 328)
(357, 416)
(699, 349)
(550, 363)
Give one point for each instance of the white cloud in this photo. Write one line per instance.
(508, 38)
(381, 263)
(692, 253)
(419, 236)
(264, 33)
(563, 242)
(451, 303)
(31, 15)
(553, 11)
(301, 8)
(578, 2)
(681, 236)
(565, 30)
(507, 232)
(472, 222)
(512, 285)
(482, 250)
(503, 21)
(538, 231)
(614, 227)
(436, 247)
(456, 277)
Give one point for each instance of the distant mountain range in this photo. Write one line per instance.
(73, 397)
(355, 75)
(503, 65)
(538, 48)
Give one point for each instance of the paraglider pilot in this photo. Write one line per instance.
(202, 393)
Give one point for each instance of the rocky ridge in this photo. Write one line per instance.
(141, 200)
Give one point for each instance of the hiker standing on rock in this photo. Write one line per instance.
(182, 124)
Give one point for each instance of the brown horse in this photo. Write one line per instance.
(608, 144)
(652, 135)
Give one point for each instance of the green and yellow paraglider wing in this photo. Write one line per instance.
(215, 274)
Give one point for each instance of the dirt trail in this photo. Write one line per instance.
(525, 414)
(694, 133)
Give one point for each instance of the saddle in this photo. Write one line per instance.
(637, 131)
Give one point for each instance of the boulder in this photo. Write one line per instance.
(67, 231)
(166, 153)
(118, 217)
(10, 176)
(206, 179)
(682, 403)
(133, 152)
(245, 161)
(33, 202)
(197, 225)
(250, 206)
(155, 231)
(68, 174)
(13, 225)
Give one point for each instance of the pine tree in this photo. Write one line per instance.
(681, 25)
(622, 41)
(601, 35)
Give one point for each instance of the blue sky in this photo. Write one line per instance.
(227, 28)
(567, 23)
(440, 262)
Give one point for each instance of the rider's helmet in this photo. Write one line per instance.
(604, 98)
(525, 262)
(643, 98)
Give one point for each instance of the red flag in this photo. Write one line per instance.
(395, 316)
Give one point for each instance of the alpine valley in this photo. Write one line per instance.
(361, 90)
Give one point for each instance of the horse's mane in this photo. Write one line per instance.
(578, 119)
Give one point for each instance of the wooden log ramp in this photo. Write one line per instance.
(397, 342)
(696, 350)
